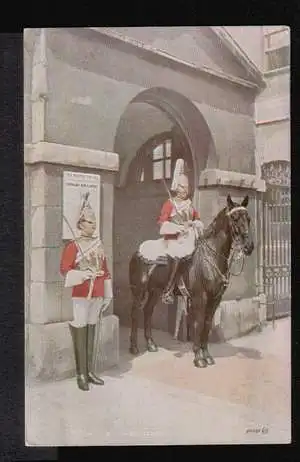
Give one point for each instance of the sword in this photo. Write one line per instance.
(181, 309)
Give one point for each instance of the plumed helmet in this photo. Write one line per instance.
(86, 212)
(179, 176)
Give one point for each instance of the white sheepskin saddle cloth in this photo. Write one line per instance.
(158, 250)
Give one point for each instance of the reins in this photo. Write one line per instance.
(235, 249)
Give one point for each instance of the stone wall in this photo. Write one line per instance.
(49, 349)
(196, 45)
(91, 81)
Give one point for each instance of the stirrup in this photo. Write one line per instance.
(168, 298)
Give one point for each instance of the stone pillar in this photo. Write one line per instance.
(242, 307)
(49, 351)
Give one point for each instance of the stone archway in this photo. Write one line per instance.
(152, 114)
(186, 116)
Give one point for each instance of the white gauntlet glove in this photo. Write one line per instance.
(77, 277)
(108, 295)
(199, 227)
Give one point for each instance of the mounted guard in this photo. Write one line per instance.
(180, 226)
(205, 275)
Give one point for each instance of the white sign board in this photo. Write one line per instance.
(75, 185)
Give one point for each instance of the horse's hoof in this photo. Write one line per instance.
(200, 363)
(152, 347)
(210, 361)
(134, 350)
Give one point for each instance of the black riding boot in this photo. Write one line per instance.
(92, 377)
(168, 295)
(79, 337)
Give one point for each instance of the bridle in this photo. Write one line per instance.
(235, 254)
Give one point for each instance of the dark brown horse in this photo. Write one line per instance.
(205, 274)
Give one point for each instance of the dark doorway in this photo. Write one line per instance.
(137, 207)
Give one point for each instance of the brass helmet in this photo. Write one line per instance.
(86, 212)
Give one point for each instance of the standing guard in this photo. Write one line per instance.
(84, 265)
(178, 223)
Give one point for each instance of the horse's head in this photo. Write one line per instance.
(239, 224)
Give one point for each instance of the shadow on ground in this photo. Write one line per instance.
(179, 349)
(218, 350)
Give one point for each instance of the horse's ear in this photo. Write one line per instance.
(245, 201)
(230, 202)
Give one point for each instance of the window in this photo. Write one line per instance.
(277, 59)
(161, 160)
(142, 176)
(155, 159)
(277, 48)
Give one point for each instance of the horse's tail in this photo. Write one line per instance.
(134, 273)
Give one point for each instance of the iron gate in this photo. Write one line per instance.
(277, 238)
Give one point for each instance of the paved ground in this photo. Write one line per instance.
(161, 398)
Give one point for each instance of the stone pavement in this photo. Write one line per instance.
(161, 398)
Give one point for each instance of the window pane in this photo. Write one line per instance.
(158, 152)
(279, 40)
(168, 148)
(142, 176)
(168, 168)
(157, 170)
(278, 58)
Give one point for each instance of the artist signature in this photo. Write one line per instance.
(263, 430)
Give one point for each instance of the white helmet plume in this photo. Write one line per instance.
(179, 176)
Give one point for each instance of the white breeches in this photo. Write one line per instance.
(86, 311)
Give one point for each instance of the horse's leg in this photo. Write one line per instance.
(134, 326)
(212, 306)
(148, 311)
(188, 321)
(198, 311)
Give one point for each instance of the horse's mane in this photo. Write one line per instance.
(213, 226)
(203, 255)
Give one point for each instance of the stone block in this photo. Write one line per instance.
(46, 227)
(54, 185)
(107, 354)
(49, 351)
(38, 269)
(52, 263)
(234, 318)
(38, 226)
(66, 304)
(45, 302)
(38, 185)
(212, 177)
(36, 306)
(50, 355)
(71, 155)
(38, 120)
(45, 264)
(53, 226)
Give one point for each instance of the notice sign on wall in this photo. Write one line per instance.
(76, 185)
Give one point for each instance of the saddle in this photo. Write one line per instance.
(180, 288)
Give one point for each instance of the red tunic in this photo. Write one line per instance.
(67, 263)
(165, 215)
